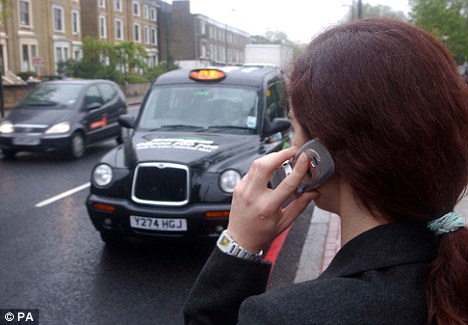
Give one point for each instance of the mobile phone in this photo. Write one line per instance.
(321, 168)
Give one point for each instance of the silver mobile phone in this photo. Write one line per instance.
(321, 168)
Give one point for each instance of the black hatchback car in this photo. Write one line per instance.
(64, 116)
(196, 135)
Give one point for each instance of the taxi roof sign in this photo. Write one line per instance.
(207, 75)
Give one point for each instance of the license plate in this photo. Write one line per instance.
(26, 141)
(161, 224)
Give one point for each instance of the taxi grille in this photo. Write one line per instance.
(161, 183)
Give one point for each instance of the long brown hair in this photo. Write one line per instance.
(387, 100)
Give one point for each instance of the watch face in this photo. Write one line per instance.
(224, 242)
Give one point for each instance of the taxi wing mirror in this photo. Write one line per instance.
(127, 121)
(277, 125)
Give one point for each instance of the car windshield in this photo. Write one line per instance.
(55, 94)
(202, 108)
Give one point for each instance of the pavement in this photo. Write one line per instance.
(323, 241)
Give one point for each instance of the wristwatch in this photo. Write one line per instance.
(227, 245)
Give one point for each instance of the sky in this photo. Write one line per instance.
(299, 19)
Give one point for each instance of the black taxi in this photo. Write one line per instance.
(196, 135)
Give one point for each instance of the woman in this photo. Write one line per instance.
(387, 101)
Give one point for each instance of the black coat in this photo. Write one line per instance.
(376, 278)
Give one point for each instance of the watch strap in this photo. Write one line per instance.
(227, 245)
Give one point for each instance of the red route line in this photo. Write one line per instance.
(276, 247)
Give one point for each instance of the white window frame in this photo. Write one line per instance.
(29, 43)
(137, 35)
(64, 49)
(118, 5)
(28, 2)
(136, 8)
(75, 13)
(77, 48)
(62, 18)
(154, 36)
(102, 25)
(101, 3)
(153, 14)
(145, 12)
(146, 34)
(118, 21)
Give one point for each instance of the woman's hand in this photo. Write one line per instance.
(257, 216)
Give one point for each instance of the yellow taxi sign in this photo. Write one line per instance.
(207, 75)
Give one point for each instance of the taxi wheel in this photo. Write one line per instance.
(8, 153)
(112, 239)
(77, 146)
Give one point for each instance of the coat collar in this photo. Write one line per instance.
(381, 247)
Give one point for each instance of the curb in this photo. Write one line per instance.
(321, 244)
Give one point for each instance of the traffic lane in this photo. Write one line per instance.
(58, 264)
(32, 178)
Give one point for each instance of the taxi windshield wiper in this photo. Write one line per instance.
(228, 127)
(178, 126)
(42, 103)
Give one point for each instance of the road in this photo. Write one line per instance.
(52, 258)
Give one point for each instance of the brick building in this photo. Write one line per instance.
(197, 40)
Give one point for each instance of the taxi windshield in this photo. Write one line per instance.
(208, 108)
(47, 95)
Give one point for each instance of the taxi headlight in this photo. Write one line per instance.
(102, 175)
(63, 127)
(6, 127)
(229, 180)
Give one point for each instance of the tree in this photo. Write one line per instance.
(369, 11)
(445, 19)
(130, 55)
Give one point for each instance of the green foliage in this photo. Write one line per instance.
(370, 11)
(122, 62)
(26, 74)
(447, 20)
(133, 78)
(164, 66)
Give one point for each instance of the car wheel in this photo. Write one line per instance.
(8, 153)
(112, 239)
(77, 146)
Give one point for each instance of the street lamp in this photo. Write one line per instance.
(359, 9)
(2, 111)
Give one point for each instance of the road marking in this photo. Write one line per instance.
(63, 195)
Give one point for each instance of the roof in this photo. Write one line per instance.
(246, 76)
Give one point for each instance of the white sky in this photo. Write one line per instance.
(299, 19)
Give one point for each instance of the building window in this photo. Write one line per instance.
(77, 52)
(153, 14)
(61, 54)
(154, 36)
(147, 35)
(25, 63)
(102, 3)
(24, 13)
(202, 27)
(57, 16)
(118, 5)
(118, 29)
(145, 12)
(102, 27)
(75, 22)
(136, 8)
(136, 33)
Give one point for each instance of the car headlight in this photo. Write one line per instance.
(63, 127)
(229, 180)
(6, 127)
(102, 175)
